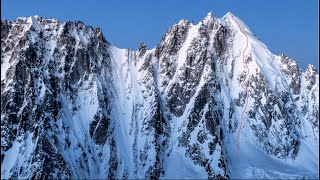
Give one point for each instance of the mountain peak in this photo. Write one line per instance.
(311, 68)
(95, 111)
(183, 21)
(208, 19)
(210, 15)
(228, 15)
(34, 21)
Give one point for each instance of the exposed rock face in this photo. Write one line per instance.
(74, 106)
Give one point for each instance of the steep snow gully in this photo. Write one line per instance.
(243, 86)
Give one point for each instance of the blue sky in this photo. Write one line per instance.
(289, 26)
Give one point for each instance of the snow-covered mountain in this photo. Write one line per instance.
(75, 106)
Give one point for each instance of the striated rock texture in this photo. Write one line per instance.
(75, 106)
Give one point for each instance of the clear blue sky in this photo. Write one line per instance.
(289, 26)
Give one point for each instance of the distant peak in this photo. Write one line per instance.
(229, 14)
(33, 21)
(35, 17)
(283, 55)
(209, 18)
(183, 22)
(235, 22)
(311, 68)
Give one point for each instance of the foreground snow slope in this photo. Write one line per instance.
(75, 106)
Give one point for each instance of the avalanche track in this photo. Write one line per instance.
(243, 86)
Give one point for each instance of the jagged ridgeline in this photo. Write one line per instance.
(75, 106)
